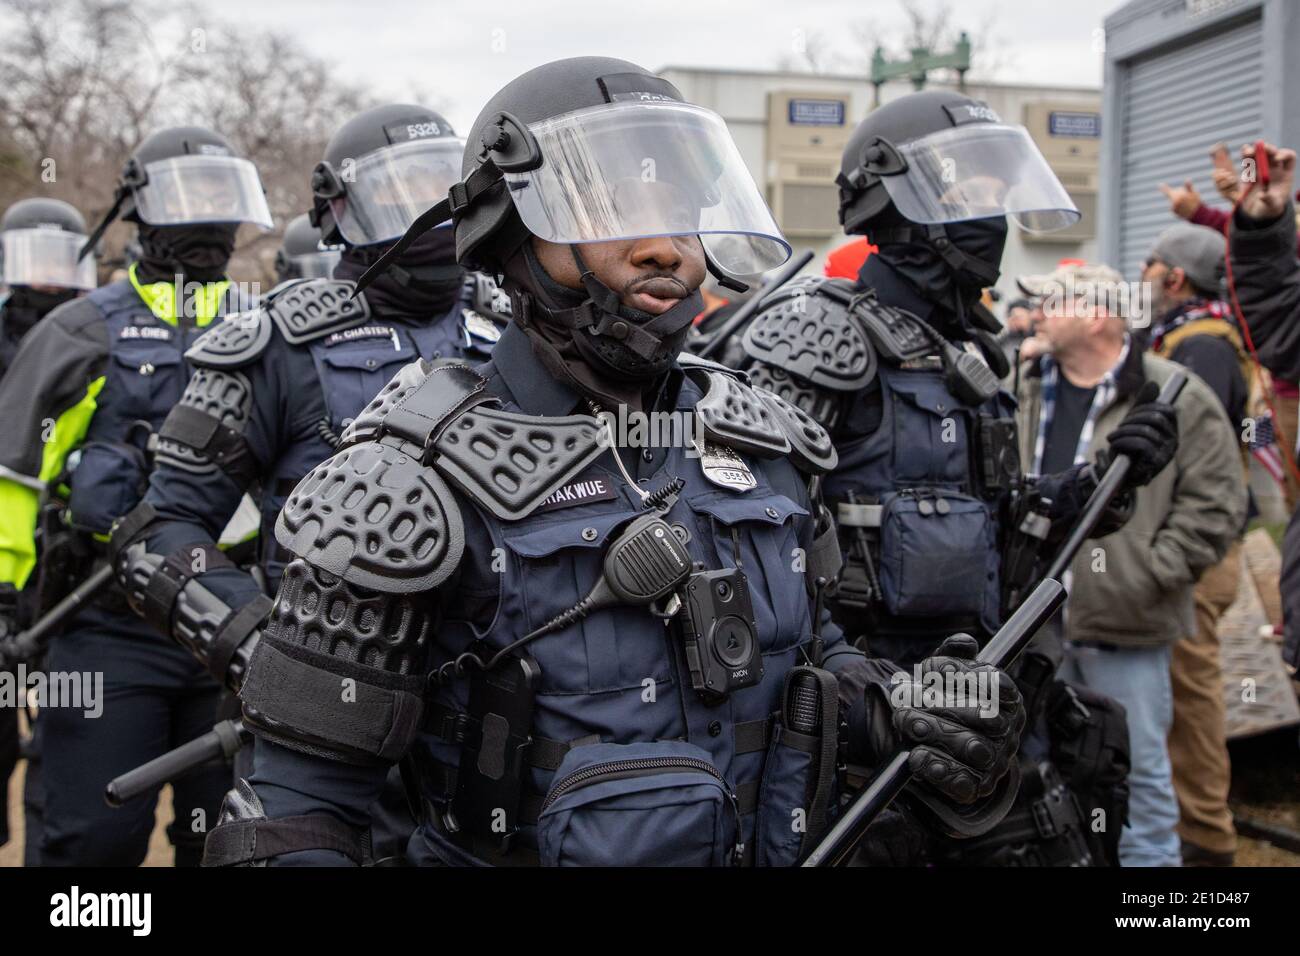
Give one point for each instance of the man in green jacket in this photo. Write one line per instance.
(1131, 593)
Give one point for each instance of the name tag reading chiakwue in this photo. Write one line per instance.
(578, 493)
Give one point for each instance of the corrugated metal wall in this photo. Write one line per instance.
(1180, 102)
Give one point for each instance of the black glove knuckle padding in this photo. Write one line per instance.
(938, 770)
(957, 750)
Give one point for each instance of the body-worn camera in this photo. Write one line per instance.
(720, 633)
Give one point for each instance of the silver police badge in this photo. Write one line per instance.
(479, 327)
(724, 467)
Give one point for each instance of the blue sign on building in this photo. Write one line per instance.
(816, 113)
(1084, 125)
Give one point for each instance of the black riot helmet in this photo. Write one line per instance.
(932, 179)
(941, 157)
(302, 255)
(41, 213)
(381, 170)
(40, 240)
(594, 149)
(184, 176)
(591, 149)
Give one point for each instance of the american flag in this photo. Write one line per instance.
(1263, 446)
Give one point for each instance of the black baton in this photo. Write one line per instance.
(31, 642)
(220, 743)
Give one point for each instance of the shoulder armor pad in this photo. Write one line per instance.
(376, 517)
(234, 341)
(898, 335)
(808, 329)
(733, 414)
(313, 308)
(821, 404)
(420, 411)
(370, 420)
(811, 449)
(509, 462)
(505, 461)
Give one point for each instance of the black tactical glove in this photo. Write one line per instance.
(956, 751)
(1149, 436)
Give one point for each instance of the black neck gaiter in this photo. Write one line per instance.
(27, 306)
(597, 366)
(953, 290)
(196, 253)
(422, 284)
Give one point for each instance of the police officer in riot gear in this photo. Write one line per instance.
(274, 388)
(39, 243)
(89, 386)
(302, 255)
(939, 530)
(41, 240)
(540, 627)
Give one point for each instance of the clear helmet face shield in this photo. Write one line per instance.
(200, 189)
(316, 265)
(979, 171)
(387, 189)
(634, 170)
(45, 257)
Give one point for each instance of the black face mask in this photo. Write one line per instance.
(949, 283)
(27, 306)
(602, 365)
(422, 283)
(199, 253)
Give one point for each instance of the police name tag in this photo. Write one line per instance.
(364, 332)
(724, 467)
(158, 333)
(578, 493)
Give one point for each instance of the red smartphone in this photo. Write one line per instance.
(1261, 163)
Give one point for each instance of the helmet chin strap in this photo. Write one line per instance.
(603, 313)
(724, 280)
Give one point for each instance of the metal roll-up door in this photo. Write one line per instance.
(1179, 103)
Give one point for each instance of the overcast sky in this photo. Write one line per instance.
(455, 53)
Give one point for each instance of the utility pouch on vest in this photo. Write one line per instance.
(799, 774)
(938, 555)
(490, 780)
(110, 480)
(660, 803)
